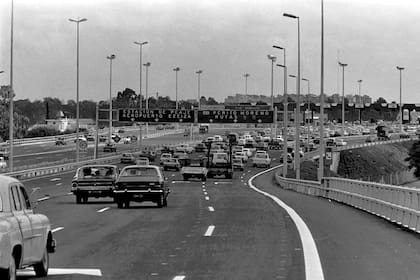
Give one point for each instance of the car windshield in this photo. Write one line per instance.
(96, 172)
(139, 171)
(260, 155)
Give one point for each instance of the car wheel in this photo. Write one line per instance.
(85, 199)
(203, 179)
(41, 268)
(120, 204)
(127, 204)
(78, 199)
(185, 178)
(165, 202)
(164, 168)
(160, 201)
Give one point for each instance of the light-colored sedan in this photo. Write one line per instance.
(184, 148)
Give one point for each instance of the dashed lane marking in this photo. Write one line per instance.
(63, 271)
(70, 193)
(42, 199)
(177, 182)
(55, 179)
(211, 209)
(209, 231)
(57, 229)
(217, 183)
(58, 184)
(313, 267)
(103, 210)
(179, 277)
(205, 193)
(207, 198)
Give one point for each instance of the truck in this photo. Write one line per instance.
(218, 166)
(382, 131)
(26, 238)
(195, 169)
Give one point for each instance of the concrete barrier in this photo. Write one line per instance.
(400, 205)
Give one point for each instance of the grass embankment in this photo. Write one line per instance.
(368, 164)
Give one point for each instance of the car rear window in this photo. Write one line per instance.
(139, 171)
(96, 172)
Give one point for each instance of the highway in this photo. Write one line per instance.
(219, 229)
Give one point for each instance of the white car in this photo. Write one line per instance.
(248, 151)
(242, 155)
(184, 148)
(340, 142)
(127, 140)
(3, 163)
(164, 156)
(218, 138)
(261, 159)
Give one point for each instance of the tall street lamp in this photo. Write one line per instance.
(77, 21)
(273, 59)
(285, 113)
(246, 75)
(111, 58)
(308, 114)
(147, 65)
(400, 111)
(297, 132)
(140, 44)
(198, 82)
(11, 125)
(360, 100)
(322, 97)
(176, 69)
(342, 104)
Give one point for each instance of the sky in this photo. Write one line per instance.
(223, 38)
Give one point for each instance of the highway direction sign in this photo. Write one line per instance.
(235, 116)
(163, 115)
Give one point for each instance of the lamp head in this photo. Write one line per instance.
(278, 47)
(290, 15)
(112, 56)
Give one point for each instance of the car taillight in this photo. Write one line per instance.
(74, 185)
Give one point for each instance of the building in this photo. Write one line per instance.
(63, 124)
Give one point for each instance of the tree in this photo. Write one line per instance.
(414, 158)
(380, 100)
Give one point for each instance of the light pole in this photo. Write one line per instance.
(176, 69)
(11, 125)
(77, 21)
(360, 100)
(308, 114)
(342, 103)
(147, 65)
(273, 59)
(297, 132)
(400, 111)
(140, 44)
(110, 57)
(321, 107)
(198, 81)
(285, 113)
(246, 75)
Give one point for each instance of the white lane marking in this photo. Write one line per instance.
(177, 182)
(209, 231)
(173, 175)
(313, 267)
(57, 229)
(42, 199)
(55, 179)
(207, 198)
(102, 210)
(205, 193)
(179, 277)
(63, 271)
(217, 183)
(211, 209)
(70, 193)
(58, 184)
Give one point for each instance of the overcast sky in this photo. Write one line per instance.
(224, 38)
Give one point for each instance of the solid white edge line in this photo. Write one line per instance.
(180, 277)
(102, 210)
(313, 267)
(57, 229)
(209, 231)
(211, 209)
(42, 199)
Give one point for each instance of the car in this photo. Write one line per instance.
(26, 238)
(127, 140)
(237, 149)
(90, 138)
(128, 158)
(147, 153)
(220, 158)
(404, 135)
(3, 163)
(164, 157)
(331, 142)
(218, 138)
(195, 169)
(168, 149)
(249, 152)
(94, 181)
(81, 138)
(184, 148)
(103, 138)
(171, 163)
(60, 141)
(180, 154)
(238, 164)
(200, 147)
(241, 155)
(340, 142)
(142, 161)
(262, 146)
(210, 139)
(261, 159)
(371, 139)
(141, 183)
(120, 130)
(133, 138)
(110, 148)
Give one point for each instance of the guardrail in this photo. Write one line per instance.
(355, 146)
(400, 205)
